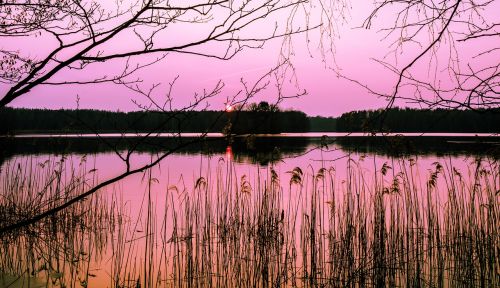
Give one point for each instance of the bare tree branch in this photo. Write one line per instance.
(454, 78)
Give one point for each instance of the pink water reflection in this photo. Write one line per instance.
(165, 192)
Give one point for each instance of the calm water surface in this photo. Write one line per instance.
(254, 211)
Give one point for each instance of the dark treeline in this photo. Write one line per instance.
(420, 120)
(249, 121)
(33, 120)
(323, 124)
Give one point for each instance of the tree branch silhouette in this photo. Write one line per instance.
(439, 73)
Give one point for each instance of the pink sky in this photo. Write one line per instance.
(327, 95)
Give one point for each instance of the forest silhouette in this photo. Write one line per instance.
(22, 120)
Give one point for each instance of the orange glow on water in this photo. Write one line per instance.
(229, 153)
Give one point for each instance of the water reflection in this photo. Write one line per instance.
(229, 153)
(437, 146)
(366, 220)
(257, 150)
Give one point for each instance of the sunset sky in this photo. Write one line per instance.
(328, 95)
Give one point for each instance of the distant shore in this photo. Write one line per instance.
(21, 121)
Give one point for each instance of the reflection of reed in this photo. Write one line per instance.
(393, 227)
(59, 249)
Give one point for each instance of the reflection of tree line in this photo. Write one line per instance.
(399, 145)
(251, 149)
(248, 149)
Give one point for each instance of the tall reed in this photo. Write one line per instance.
(393, 225)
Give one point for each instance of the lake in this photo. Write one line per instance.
(288, 210)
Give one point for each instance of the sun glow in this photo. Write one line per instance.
(229, 108)
(229, 153)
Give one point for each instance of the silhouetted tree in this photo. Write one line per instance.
(89, 121)
(81, 36)
(445, 53)
(420, 120)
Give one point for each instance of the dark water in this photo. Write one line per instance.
(261, 150)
